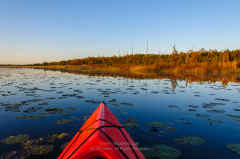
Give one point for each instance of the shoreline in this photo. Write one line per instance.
(140, 72)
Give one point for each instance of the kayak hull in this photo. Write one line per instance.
(102, 136)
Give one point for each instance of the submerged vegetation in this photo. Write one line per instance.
(192, 65)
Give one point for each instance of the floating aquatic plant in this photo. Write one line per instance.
(191, 110)
(173, 106)
(219, 111)
(32, 109)
(193, 140)
(19, 139)
(43, 103)
(53, 137)
(234, 117)
(192, 106)
(211, 105)
(40, 149)
(237, 109)
(112, 100)
(123, 111)
(222, 99)
(214, 121)
(163, 152)
(127, 104)
(69, 95)
(234, 148)
(131, 125)
(39, 116)
(202, 115)
(54, 110)
(92, 101)
(64, 121)
(156, 124)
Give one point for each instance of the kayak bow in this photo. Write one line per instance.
(101, 137)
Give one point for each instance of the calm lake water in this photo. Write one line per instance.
(156, 112)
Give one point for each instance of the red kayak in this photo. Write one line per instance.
(101, 137)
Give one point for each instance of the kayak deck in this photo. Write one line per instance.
(102, 136)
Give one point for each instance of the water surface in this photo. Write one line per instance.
(41, 103)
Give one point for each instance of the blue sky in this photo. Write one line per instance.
(47, 30)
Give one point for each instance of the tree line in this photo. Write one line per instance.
(201, 58)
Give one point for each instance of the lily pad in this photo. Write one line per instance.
(192, 110)
(32, 109)
(54, 110)
(53, 137)
(131, 125)
(69, 95)
(234, 148)
(123, 111)
(237, 109)
(40, 149)
(127, 104)
(71, 108)
(222, 99)
(163, 152)
(156, 124)
(192, 106)
(219, 111)
(93, 101)
(211, 105)
(234, 117)
(64, 121)
(19, 139)
(39, 116)
(112, 100)
(213, 121)
(202, 115)
(173, 106)
(193, 140)
(43, 103)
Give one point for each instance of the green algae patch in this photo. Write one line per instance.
(235, 148)
(192, 140)
(19, 139)
(163, 152)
